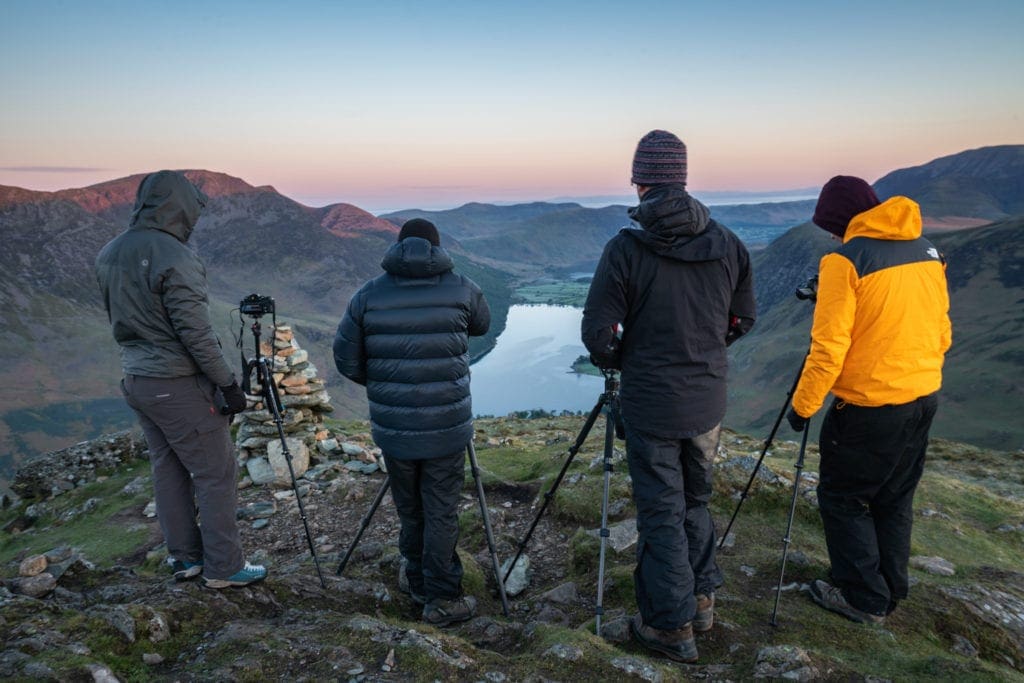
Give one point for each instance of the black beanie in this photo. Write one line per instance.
(660, 157)
(419, 227)
(840, 200)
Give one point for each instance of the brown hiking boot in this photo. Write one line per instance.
(446, 612)
(831, 598)
(705, 617)
(678, 644)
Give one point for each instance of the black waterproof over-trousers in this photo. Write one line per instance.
(426, 494)
(871, 462)
(675, 556)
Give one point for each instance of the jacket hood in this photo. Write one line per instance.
(416, 257)
(167, 201)
(676, 225)
(897, 218)
(669, 212)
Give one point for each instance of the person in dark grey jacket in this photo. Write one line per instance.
(405, 336)
(176, 378)
(681, 289)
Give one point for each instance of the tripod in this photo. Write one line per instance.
(796, 486)
(764, 450)
(608, 403)
(475, 468)
(789, 525)
(271, 399)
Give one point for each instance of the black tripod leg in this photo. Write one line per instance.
(789, 525)
(271, 397)
(767, 445)
(558, 480)
(609, 441)
(487, 526)
(364, 525)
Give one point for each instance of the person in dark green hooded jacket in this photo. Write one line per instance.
(176, 379)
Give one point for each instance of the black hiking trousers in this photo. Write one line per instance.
(426, 495)
(871, 462)
(675, 555)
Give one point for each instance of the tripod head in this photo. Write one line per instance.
(808, 291)
(256, 306)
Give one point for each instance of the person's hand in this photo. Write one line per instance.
(796, 421)
(234, 399)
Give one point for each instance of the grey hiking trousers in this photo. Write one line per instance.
(194, 469)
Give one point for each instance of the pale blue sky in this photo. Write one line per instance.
(391, 104)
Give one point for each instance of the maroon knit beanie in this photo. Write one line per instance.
(419, 227)
(840, 200)
(660, 157)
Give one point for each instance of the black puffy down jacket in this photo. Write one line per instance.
(405, 336)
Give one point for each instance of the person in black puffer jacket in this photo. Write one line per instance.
(681, 289)
(405, 337)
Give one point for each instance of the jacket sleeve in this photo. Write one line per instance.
(742, 307)
(480, 312)
(183, 295)
(834, 314)
(606, 305)
(349, 346)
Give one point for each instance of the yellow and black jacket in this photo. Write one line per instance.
(881, 322)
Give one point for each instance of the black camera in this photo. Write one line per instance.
(256, 306)
(808, 290)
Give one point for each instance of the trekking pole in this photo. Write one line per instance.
(364, 524)
(611, 408)
(273, 401)
(573, 450)
(764, 451)
(789, 526)
(487, 525)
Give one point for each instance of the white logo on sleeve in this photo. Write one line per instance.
(933, 252)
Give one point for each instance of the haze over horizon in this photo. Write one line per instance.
(399, 106)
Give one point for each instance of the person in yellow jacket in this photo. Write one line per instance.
(881, 330)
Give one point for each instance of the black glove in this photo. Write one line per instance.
(796, 421)
(234, 399)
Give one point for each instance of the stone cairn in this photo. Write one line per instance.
(305, 400)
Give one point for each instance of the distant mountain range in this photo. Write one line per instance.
(965, 189)
(59, 367)
(58, 363)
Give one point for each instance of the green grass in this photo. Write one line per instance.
(556, 294)
(101, 533)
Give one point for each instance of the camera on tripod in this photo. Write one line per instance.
(256, 306)
(808, 290)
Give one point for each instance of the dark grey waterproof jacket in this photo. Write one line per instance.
(682, 289)
(405, 336)
(154, 286)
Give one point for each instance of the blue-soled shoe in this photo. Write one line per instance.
(184, 570)
(250, 573)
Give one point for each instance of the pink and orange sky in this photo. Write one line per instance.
(432, 105)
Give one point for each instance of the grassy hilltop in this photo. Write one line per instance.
(967, 626)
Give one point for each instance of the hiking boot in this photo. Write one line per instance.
(705, 617)
(831, 598)
(405, 587)
(445, 612)
(184, 570)
(250, 573)
(678, 645)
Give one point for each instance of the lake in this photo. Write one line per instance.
(530, 365)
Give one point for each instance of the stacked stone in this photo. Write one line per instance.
(304, 400)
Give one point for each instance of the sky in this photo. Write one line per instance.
(391, 105)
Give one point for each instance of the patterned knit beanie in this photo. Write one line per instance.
(840, 200)
(419, 227)
(660, 158)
